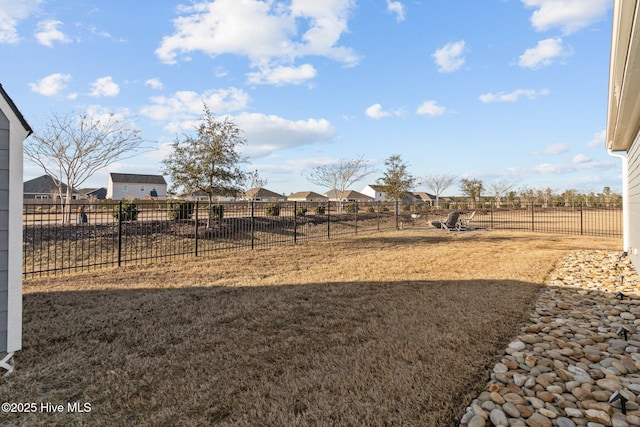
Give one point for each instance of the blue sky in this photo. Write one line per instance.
(497, 90)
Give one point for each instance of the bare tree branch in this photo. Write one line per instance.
(71, 148)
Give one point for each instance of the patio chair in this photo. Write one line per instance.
(451, 223)
(465, 223)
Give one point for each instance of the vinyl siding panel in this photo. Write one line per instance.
(4, 228)
(633, 169)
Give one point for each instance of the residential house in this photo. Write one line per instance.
(623, 116)
(348, 196)
(307, 196)
(129, 186)
(14, 129)
(45, 187)
(426, 198)
(203, 197)
(377, 192)
(93, 193)
(263, 195)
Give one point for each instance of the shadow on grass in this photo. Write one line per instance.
(349, 353)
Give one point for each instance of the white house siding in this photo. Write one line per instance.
(4, 229)
(633, 165)
(125, 191)
(12, 133)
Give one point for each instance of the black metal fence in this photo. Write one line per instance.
(111, 233)
(118, 233)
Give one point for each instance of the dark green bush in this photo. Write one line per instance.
(129, 212)
(272, 209)
(350, 208)
(301, 211)
(371, 209)
(216, 212)
(180, 209)
(319, 210)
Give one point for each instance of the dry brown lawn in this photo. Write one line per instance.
(394, 328)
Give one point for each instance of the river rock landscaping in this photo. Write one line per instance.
(578, 360)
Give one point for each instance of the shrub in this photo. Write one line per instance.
(350, 208)
(272, 209)
(129, 212)
(301, 211)
(319, 210)
(406, 208)
(179, 209)
(371, 209)
(216, 212)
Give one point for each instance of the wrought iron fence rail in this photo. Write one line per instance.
(117, 233)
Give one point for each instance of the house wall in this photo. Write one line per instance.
(132, 190)
(4, 228)
(633, 170)
(11, 137)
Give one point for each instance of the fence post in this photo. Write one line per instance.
(356, 216)
(329, 219)
(378, 215)
(581, 219)
(491, 217)
(532, 216)
(119, 233)
(252, 223)
(396, 212)
(295, 221)
(197, 221)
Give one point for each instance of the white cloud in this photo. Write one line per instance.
(266, 134)
(450, 57)
(154, 83)
(598, 140)
(183, 108)
(512, 96)
(568, 15)
(556, 149)
(581, 159)
(375, 111)
(431, 108)
(48, 33)
(51, 85)
(396, 8)
(268, 33)
(104, 86)
(543, 54)
(283, 75)
(11, 13)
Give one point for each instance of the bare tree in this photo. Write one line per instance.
(438, 183)
(499, 189)
(254, 180)
(546, 196)
(71, 148)
(338, 177)
(527, 196)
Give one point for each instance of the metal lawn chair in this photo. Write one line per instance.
(465, 223)
(451, 223)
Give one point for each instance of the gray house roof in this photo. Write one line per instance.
(44, 184)
(306, 195)
(128, 178)
(98, 193)
(262, 193)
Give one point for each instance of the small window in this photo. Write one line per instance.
(142, 188)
